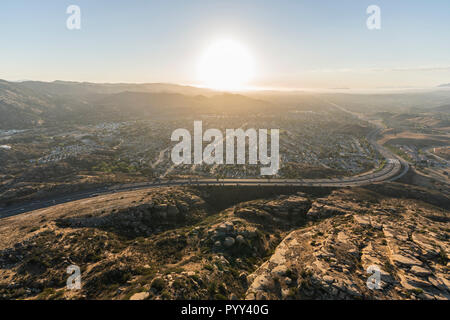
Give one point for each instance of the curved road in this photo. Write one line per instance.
(394, 168)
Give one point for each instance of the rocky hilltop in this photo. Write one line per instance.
(188, 243)
(330, 259)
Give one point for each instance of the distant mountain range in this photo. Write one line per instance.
(86, 88)
(444, 85)
(31, 103)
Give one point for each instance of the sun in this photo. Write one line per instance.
(225, 65)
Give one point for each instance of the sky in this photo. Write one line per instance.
(292, 44)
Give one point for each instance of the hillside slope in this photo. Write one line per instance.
(179, 243)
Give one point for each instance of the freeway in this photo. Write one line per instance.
(391, 171)
(394, 168)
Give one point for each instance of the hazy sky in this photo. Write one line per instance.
(297, 44)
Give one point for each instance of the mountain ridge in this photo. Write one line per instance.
(31, 103)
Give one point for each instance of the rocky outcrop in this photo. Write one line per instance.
(331, 259)
(283, 210)
(176, 247)
(154, 213)
(250, 220)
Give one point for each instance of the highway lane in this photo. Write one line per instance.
(394, 169)
(389, 172)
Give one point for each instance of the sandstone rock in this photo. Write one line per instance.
(285, 293)
(240, 239)
(229, 226)
(438, 283)
(412, 283)
(260, 283)
(422, 272)
(222, 228)
(228, 242)
(140, 296)
(405, 260)
(328, 279)
(243, 277)
(250, 296)
(388, 232)
(280, 270)
(362, 220)
(223, 260)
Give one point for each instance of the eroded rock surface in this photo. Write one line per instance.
(169, 243)
(329, 260)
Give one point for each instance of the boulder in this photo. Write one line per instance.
(422, 272)
(228, 242)
(240, 239)
(405, 260)
(140, 296)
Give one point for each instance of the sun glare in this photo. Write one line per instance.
(225, 65)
